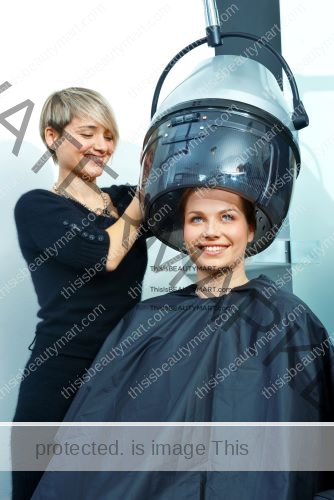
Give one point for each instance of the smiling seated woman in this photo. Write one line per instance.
(253, 354)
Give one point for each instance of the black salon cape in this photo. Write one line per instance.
(178, 318)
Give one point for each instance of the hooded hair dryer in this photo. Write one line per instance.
(221, 128)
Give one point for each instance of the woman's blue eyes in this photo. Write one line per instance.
(222, 218)
(228, 215)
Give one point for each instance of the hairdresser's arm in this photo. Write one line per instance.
(123, 234)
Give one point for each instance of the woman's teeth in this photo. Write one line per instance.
(213, 249)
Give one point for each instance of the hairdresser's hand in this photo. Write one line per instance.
(124, 232)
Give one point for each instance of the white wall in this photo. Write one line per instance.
(308, 46)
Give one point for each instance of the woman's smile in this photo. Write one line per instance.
(99, 160)
(211, 249)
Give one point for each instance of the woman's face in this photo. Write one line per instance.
(97, 147)
(216, 228)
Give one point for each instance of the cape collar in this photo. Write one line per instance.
(261, 280)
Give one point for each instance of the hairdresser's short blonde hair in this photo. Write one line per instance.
(64, 105)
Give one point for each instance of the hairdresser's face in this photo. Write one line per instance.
(216, 228)
(96, 146)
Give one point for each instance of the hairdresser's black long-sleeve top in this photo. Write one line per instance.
(67, 256)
